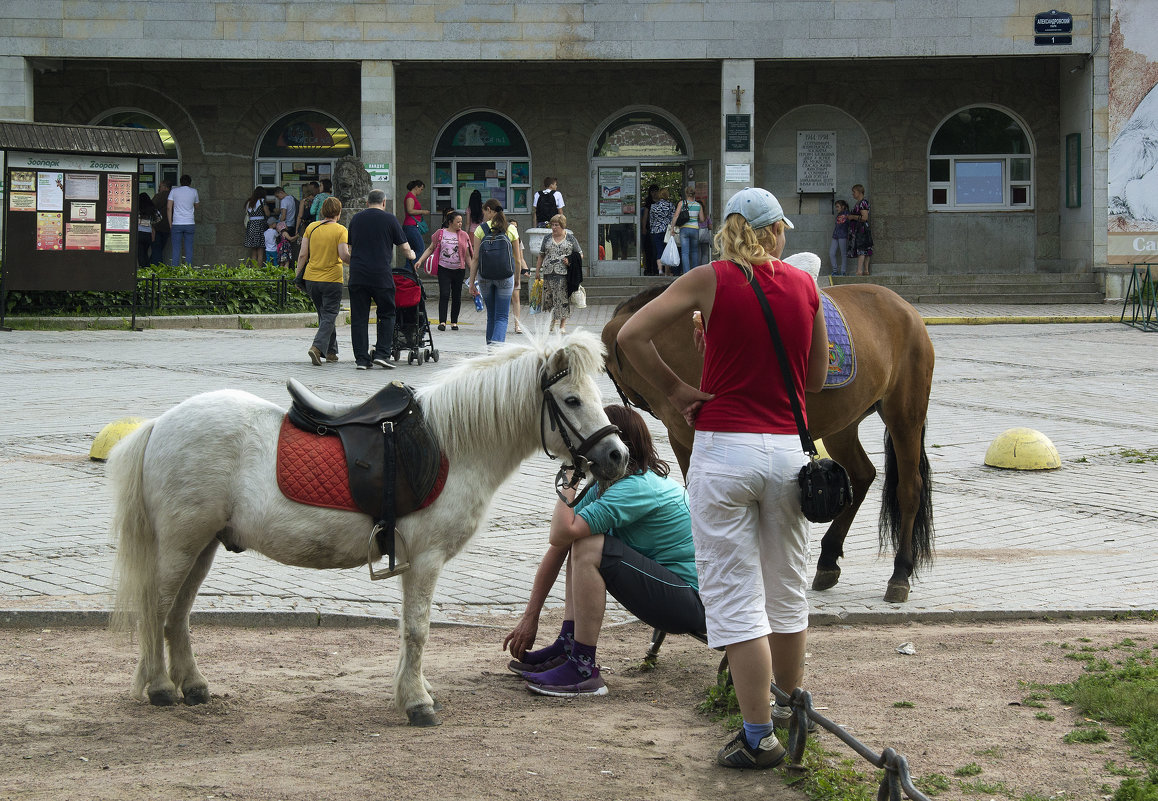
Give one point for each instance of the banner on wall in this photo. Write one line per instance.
(1133, 127)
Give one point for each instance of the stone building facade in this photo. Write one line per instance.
(495, 96)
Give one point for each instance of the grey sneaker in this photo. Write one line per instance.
(782, 718)
(591, 686)
(361, 367)
(382, 361)
(738, 754)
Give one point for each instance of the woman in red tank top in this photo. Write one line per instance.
(750, 536)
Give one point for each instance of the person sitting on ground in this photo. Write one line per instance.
(631, 538)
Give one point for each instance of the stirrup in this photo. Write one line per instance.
(384, 574)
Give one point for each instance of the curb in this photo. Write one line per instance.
(47, 618)
(1018, 320)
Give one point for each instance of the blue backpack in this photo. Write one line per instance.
(496, 261)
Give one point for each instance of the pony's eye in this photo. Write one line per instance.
(573, 401)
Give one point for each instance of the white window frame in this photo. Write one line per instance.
(1006, 160)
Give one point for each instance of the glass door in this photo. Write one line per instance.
(617, 218)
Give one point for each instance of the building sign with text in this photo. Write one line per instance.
(816, 161)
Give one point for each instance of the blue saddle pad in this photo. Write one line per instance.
(841, 356)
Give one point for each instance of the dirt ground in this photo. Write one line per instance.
(306, 714)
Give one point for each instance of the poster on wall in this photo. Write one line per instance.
(611, 190)
(82, 236)
(816, 161)
(1133, 127)
(23, 181)
(49, 230)
(82, 186)
(120, 197)
(116, 243)
(22, 201)
(50, 191)
(82, 212)
(117, 222)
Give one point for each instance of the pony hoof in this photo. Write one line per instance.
(896, 593)
(423, 716)
(196, 695)
(162, 697)
(826, 579)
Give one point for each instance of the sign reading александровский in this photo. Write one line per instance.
(816, 161)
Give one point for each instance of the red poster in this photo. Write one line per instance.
(120, 194)
(82, 236)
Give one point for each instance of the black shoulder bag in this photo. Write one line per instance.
(825, 488)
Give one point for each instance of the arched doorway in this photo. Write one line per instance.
(153, 170)
(481, 150)
(632, 150)
(300, 147)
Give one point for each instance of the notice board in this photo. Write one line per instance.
(70, 222)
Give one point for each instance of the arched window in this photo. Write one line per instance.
(153, 170)
(298, 148)
(640, 133)
(485, 151)
(980, 159)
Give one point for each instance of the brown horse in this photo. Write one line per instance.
(894, 373)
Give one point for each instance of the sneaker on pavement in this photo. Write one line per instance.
(361, 367)
(515, 666)
(782, 718)
(383, 362)
(316, 356)
(738, 754)
(565, 681)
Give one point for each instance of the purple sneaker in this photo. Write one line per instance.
(565, 681)
(515, 666)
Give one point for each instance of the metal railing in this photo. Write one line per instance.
(1142, 298)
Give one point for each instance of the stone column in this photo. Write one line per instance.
(15, 89)
(378, 125)
(737, 97)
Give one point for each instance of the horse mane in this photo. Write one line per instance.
(639, 300)
(499, 392)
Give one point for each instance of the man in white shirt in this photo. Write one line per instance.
(288, 214)
(183, 203)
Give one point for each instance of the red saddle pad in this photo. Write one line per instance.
(311, 469)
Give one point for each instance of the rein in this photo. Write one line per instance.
(561, 423)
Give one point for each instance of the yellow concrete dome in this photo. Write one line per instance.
(1022, 449)
(110, 435)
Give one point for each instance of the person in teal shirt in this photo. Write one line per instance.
(632, 539)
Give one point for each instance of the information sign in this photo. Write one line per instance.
(816, 161)
(737, 133)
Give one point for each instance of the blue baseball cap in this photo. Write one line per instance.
(758, 206)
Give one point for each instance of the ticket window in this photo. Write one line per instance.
(482, 151)
(298, 148)
(153, 172)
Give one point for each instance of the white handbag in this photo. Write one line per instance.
(579, 298)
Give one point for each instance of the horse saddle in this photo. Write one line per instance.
(841, 353)
(393, 459)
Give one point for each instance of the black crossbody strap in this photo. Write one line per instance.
(782, 356)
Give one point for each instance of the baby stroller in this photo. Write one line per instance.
(411, 324)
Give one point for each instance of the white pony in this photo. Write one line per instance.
(207, 467)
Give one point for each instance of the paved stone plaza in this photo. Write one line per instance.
(1076, 540)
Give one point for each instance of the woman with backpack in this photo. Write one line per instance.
(497, 256)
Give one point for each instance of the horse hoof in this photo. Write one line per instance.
(896, 593)
(196, 695)
(826, 579)
(423, 716)
(437, 705)
(162, 697)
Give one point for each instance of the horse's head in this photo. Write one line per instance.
(573, 421)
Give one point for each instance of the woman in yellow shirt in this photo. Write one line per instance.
(324, 248)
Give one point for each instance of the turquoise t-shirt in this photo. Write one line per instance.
(650, 514)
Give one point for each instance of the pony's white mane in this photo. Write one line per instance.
(500, 392)
(809, 262)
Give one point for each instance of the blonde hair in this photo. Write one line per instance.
(561, 219)
(331, 207)
(737, 241)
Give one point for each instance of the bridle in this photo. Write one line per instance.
(561, 423)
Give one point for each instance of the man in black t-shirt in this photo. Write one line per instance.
(373, 234)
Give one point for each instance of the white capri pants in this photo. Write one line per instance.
(752, 548)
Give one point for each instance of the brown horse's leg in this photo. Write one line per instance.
(906, 515)
(843, 446)
(683, 455)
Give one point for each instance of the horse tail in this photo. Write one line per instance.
(134, 574)
(890, 518)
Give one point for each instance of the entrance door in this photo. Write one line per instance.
(617, 218)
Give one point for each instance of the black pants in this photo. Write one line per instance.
(360, 297)
(144, 246)
(650, 591)
(450, 291)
